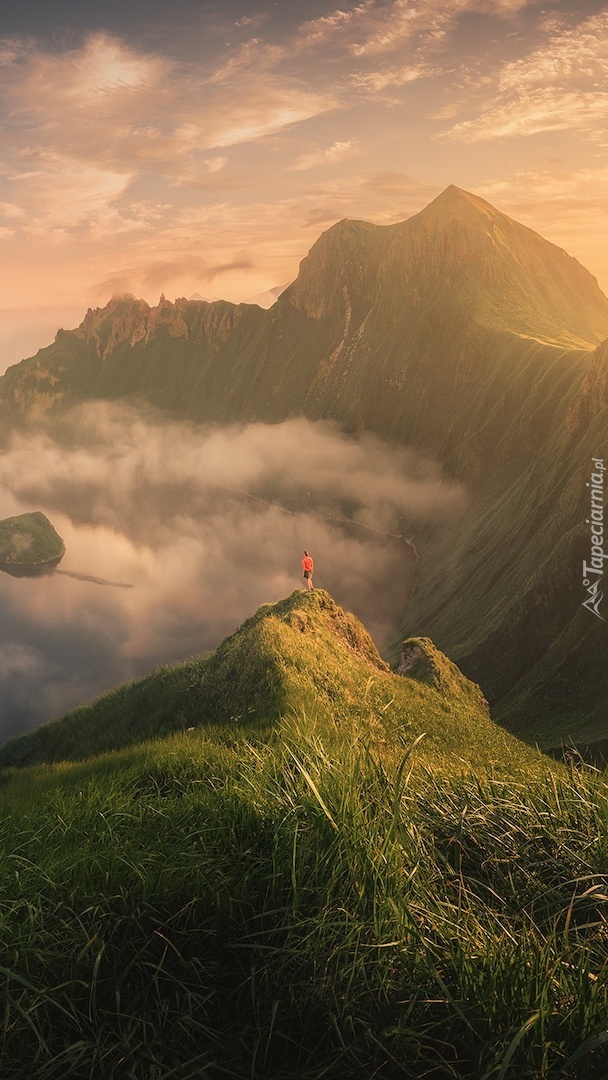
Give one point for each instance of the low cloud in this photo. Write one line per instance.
(163, 274)
(205, 525)
(169, 274)
(117, 468)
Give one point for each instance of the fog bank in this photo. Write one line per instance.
(204, 525)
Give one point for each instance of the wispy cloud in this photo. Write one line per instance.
(214, 164)
(110, 101)
(255, 54)
(338, 151)
(80, 126)
(373, 28)
(380, 80)
(162, 274)
(571, 57)
(59, 194)
(560, 86)
(540, 110)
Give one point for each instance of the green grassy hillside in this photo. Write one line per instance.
(303, 655)
(358, 876)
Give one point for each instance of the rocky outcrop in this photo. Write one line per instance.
(129, 321)
(421, 660)
(29, 545)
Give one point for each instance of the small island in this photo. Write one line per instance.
(29, 545)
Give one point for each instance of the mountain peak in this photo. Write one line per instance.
(456, 202)
(461, 256)
(506, 275)
(456, 194)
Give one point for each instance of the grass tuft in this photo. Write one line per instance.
(310, 906)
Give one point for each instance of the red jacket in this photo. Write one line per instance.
(307, 563)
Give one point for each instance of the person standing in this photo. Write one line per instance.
(307, 569)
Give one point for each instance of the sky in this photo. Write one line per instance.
(201, 147)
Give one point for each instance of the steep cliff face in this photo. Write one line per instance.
(126, 321)
(415, 331)
(340, 273)
(590, 405)
(123, 319)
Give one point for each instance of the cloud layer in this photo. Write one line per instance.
(205, 525)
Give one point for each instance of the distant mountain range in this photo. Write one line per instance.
(264, 299)
(458, 332)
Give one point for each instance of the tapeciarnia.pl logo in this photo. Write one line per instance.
(593, 571)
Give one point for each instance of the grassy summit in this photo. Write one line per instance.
(303, 655)
(29, 541)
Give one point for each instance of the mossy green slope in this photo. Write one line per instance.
(502, 593)
(335, 870)
(301, 656)
(325, 899)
